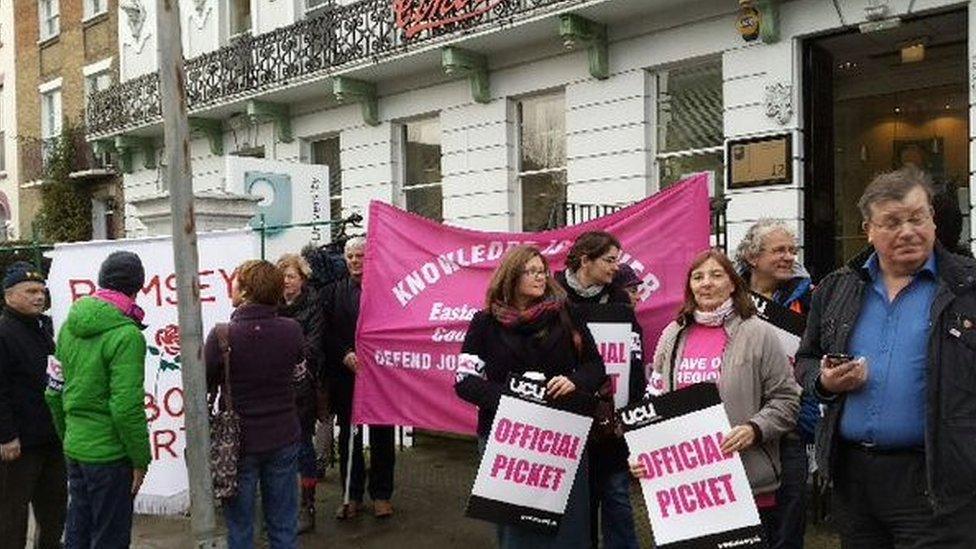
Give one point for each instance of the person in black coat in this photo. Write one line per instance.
(32, 467)
(527, 325)
(341, 312)
(593, 280)
(299, 303)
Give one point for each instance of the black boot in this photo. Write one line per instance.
(306, 516)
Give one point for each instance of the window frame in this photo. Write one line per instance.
(51, 123)
(44, 20)
(334, 200)
(520, 173)
(90, 12)
(233, 33)
(93, 72)
(660, 157)
(405, 185)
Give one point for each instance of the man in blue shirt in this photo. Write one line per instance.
(899, 435)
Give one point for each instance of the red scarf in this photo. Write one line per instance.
(511, 317)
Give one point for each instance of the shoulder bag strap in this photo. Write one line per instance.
(223, 339)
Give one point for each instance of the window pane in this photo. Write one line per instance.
(542, 132)
(422, 152)
(676, 168)
(326, 151)
(426, 201)
(241, 19)
(541, 193)
(689, 103)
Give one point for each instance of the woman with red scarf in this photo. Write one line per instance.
(527, 326)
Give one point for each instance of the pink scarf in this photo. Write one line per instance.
(123, 303)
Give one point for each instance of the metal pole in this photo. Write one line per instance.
(264, 229)
(36, 244)
(177, 179)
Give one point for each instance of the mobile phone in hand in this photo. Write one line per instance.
(836, 359)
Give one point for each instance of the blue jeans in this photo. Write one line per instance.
(99, 506)
(791, 498)
(617, 515)
(277, 471)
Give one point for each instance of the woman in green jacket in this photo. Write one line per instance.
(96, 400)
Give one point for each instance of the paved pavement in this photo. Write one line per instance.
(433, 480)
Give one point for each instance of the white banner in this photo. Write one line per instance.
(614, 340)
(695, 495)
(530, 460)
(74, 274)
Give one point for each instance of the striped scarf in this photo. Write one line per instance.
(510, 317)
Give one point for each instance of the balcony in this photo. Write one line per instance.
(346, 37)
(34, 154)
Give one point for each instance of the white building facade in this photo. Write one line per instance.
(513, 114)
(8, 125)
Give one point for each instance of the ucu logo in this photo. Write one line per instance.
(528, 389)
(638, 415)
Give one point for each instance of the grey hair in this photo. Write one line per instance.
(894, 185)
(355, 243)
(752, 243)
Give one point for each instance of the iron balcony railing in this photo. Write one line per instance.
(35, 153)
(364, 32)
(564, 214)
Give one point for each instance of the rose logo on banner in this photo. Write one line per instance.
(168, 344)
(530, 460)
(696, 496)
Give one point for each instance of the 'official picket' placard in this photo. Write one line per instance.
(696, 496)
(530, 460)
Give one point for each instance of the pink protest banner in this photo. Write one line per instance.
(423, 281)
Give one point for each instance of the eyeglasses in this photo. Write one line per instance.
(894, 224)
(782, 250)
(535, 273)
(610, 259)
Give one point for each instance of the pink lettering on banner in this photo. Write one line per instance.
(424, 281)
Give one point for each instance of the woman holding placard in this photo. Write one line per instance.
(527, 326)
(718, 339)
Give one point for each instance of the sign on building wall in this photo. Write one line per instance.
(74, 274)
(415, 16)
(291, 193)
(759, 162)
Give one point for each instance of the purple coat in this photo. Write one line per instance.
(265, 349)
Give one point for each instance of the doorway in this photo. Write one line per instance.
(876, 102)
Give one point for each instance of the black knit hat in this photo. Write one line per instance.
(21, 271)
(123, 272)
(626, 277)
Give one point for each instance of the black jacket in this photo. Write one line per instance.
(950, 415)
(25, 344)
(340, 313)
(549, 350)
(305, 311)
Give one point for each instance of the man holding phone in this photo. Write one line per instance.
(890, 348)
